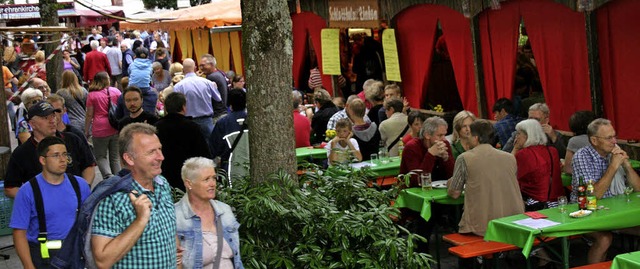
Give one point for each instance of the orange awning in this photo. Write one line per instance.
(219, 13)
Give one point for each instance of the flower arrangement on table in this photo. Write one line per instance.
(438, 108)
(330, 134)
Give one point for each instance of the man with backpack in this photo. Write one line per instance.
(45, 207)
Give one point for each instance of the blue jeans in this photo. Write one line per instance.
(206, 126)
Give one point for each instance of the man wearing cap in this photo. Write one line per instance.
(24, 163)
(95, 62)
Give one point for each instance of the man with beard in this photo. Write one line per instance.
(133, 101)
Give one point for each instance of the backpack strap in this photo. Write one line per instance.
(406, 128)
(76, 189)
(42, 222)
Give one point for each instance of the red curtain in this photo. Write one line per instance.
(618, 38)
(415, 33)
(305, 25)
(499, 43)
(559, 43)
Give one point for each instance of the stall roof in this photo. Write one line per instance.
(219, 13)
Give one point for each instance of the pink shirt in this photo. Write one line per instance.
(98, 100)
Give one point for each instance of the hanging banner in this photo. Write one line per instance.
(391, 61)
(354, 13)
(330, 40)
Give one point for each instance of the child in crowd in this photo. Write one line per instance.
(343, 147)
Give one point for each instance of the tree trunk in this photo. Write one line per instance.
(267, 49)
(49, 17)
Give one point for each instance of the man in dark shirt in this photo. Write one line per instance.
(208, 66)
(133, 101)
(180, 137)
(24, 163)
(228, 124)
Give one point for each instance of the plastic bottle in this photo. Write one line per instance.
(591, 197)
(582, 195)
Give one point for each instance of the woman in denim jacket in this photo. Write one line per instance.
(200, 218)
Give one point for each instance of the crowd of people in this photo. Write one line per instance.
(151, 125)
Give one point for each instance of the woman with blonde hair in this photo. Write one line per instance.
(75, 98)
(105, 136)
(461, 132)
(39, 67)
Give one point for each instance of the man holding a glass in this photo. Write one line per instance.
(604, 162)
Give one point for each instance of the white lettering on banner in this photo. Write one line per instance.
(361, 13)
(21, 9)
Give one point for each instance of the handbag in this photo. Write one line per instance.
(543, 205)
(111, 109)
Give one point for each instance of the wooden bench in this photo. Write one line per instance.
(384, 182)
(601, 265)
(461, 239)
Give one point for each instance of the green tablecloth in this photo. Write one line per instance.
(627, 260)
(420, 201)
(392, 168)
(566, 178)
(310, 153)
(619, 214)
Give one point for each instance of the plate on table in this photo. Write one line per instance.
(580, 213)
(439, 184)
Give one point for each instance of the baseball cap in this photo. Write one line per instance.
(41, 109)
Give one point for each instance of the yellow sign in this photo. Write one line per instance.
(390, 49)
(330, 39)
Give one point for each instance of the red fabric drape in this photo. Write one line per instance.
(415, 33)
(305, 25)
(559, 43)
(499, 43)
(618, 38)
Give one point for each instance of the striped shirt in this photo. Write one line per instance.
(156, 247)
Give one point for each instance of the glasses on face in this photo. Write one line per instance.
(608, 138)
(65, 155)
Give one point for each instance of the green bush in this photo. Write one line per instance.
(326, 219)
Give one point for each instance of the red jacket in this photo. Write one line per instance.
(416, 156)
(302, 128)
(95, 62)
(534, 171)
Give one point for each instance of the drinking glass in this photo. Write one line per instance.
(562, 203)
(425, 180)
(374, 158)
(627, 192)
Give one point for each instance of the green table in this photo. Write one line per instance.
(392, 168)
(310, 153)
(419, 200)
(627, 260)
(566, 178)
(619, 215)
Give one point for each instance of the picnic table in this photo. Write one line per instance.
(617, 214)
(420, 200)
(310, 154)
(566, 178)
(627, 260)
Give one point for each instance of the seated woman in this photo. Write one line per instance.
(461, 132)
(343, 143)
(202, 222)
(538, 166)
(415, 120)
(578, 124)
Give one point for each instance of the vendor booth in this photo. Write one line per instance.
(210, 28)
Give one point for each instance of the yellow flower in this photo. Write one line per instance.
(330, 134)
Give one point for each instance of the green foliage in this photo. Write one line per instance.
(149, 4)
(327, 219)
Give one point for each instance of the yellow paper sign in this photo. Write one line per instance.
(330, 39)
(391, 61)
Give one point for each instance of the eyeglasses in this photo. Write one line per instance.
(608, 138)
(65, 155)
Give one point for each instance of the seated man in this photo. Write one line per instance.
(430, 152)
(506, 120)
(604, 162)
(395, 126)
(540, 112)
(492, 189)
(238, 103)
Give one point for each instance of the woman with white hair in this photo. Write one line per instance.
(29, 97)
(461, 132)
(202, 222)
(538, 166)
